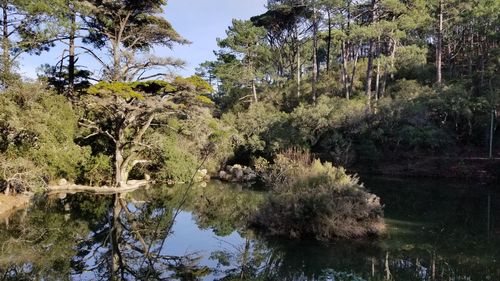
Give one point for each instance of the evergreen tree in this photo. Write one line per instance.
(25, 29)
(126, 29)
(247, 43)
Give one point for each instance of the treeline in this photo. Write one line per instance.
(361, 81)
(348, 48)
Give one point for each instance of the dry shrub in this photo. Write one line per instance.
(20, 175)
(310, 199)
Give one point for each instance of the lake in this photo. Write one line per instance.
(437, 230)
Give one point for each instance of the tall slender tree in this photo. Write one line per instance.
(439, 43)
(247, 43)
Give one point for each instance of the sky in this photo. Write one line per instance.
(199, 21)
(202, 21)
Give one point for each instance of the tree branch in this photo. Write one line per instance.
(98, 130)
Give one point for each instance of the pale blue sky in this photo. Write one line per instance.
(202, 21)
(199, 21)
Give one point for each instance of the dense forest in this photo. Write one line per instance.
(362, 82)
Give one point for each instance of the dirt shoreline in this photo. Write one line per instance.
(12, 203)
(74, 188)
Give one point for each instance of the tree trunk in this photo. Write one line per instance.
(116, 62)
(244, 260)
(439, 44)
(116, 229)
(72, 61)
(369, 73)
(298, 71)
(345, 77)
(373, 266)
(329, 42)
(393, 58)
(471, 54)
(351, 80)
(119, 157)
(254, 90)
(384, 81)
(377, 78)
(433, 267)
(315, 53)
(377, 81)
(387, 269)
(345, 59)
(482, 65)
(119, 180)
(344, 72)
(369, 69)
(6, 65)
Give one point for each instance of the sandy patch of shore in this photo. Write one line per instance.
(9, 204)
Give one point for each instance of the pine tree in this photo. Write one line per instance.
(125, 29)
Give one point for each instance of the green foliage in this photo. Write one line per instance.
(195, 83)
(245, 56)
(44, 244)
(337, 147)
(128, 90)
(200, 137)
(260, 127)
(120, 89)
(264, 75)
(410, 57)
(223, 212)
(407, 89)
(58, 78)
(422, 137)
(144, 27)
(23, 33)
(96, 170)
(175, 161)
(328, 113)
(204, 100)
(136, 90)
(40, 126)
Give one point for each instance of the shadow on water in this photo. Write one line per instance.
(437, 231)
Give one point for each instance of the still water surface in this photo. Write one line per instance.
(438, 230)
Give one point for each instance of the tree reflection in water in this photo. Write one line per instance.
(128, 246)
(128, 237)
(110, 238)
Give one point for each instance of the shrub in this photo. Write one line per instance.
(97, 170)
(262, 128)
(202, 130)
(172, 161)
(337, 147)
(407, 89)
(20, 175)
(310, 199)
(312, 121)
(40, 126)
